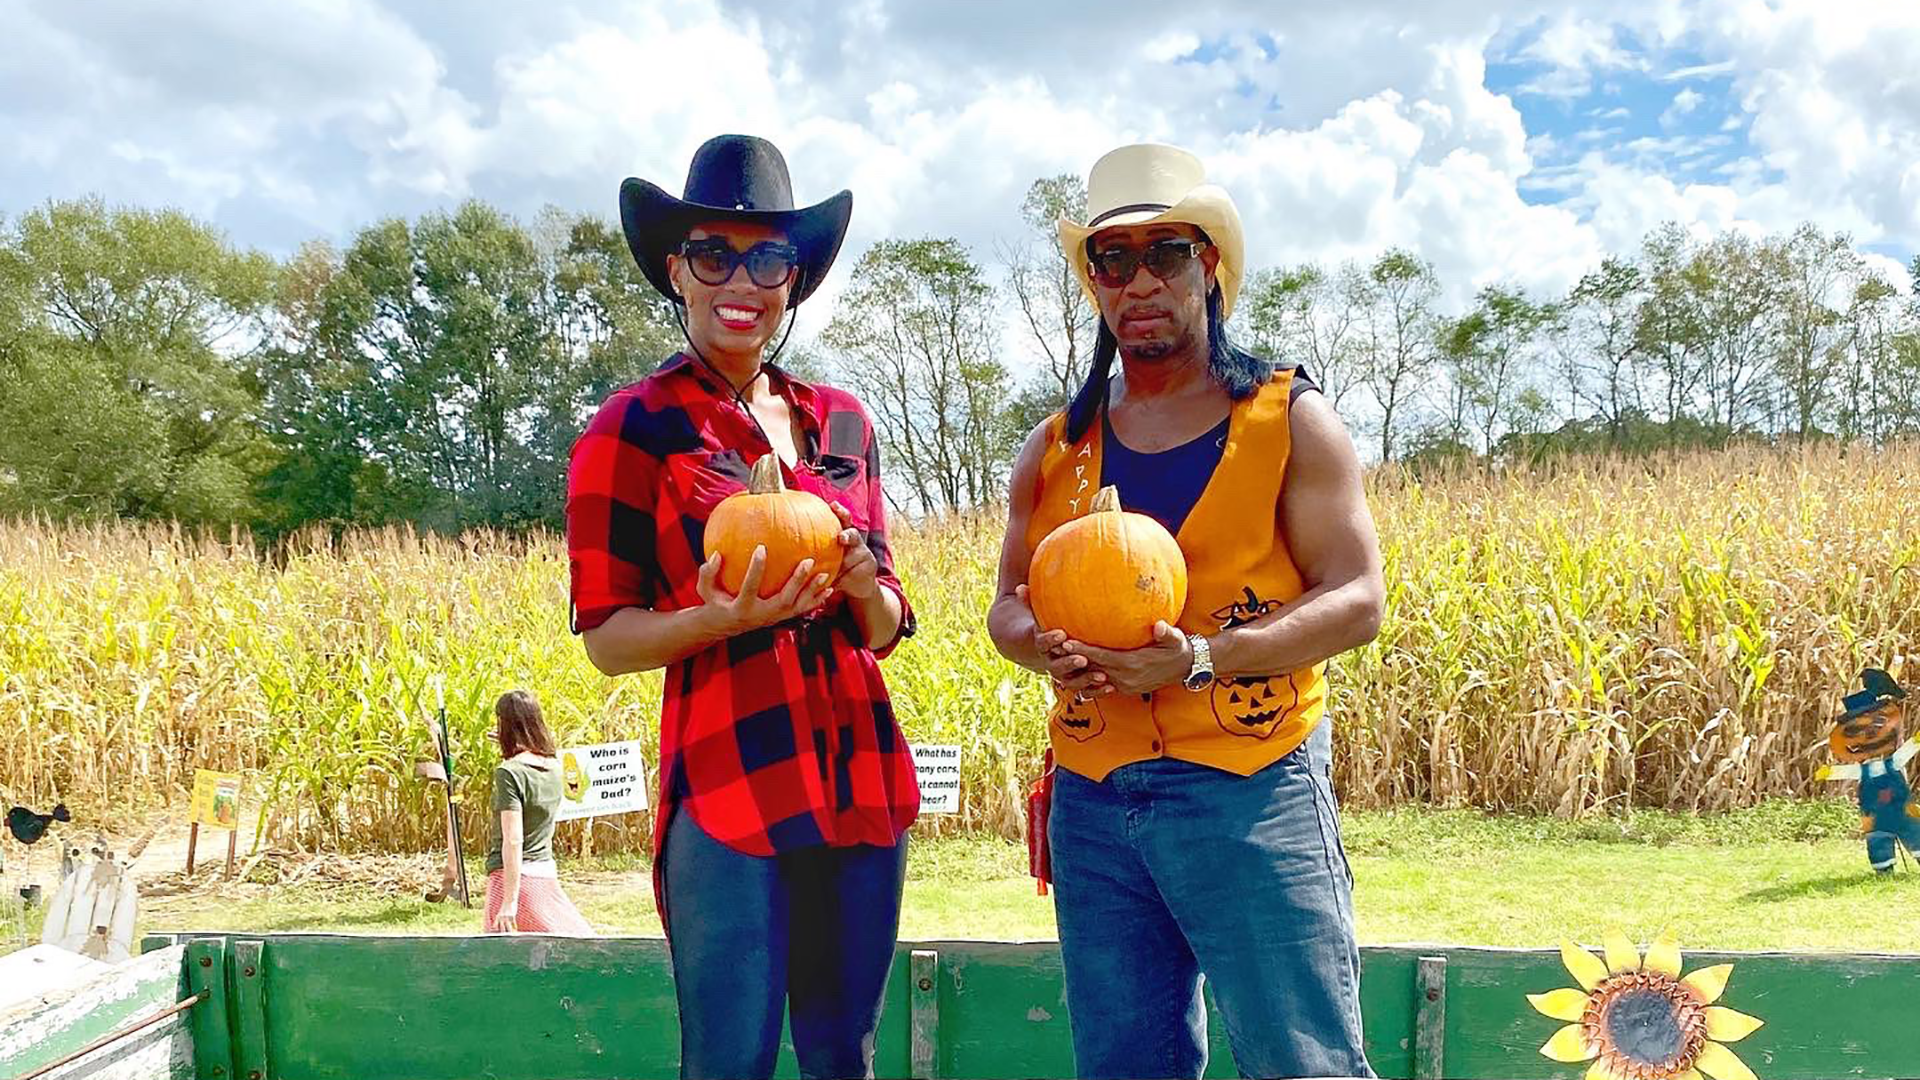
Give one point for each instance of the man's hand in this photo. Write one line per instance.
(1141, 671)
(1071, 674)
(506, 920)
(859, 570)
(803, 592)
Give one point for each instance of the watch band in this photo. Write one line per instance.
(1202, 671)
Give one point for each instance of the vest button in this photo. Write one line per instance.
(1156, 746)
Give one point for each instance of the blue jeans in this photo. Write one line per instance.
(810, 931)
(1167, 870)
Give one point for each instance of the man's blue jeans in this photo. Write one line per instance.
(1167, 870)
(811, 932)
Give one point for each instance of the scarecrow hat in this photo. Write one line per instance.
(1880, 689)
(1150, 183)
(732, 178)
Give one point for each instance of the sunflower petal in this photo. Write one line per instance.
(1721, 1063)
(1709, 982)
(1560, 1004)
(1622, 955)
(1586, 968)
(1690, 1074)
(1569, 1044)
(1663, 956)
(1726, 1025)
(1599, 1071)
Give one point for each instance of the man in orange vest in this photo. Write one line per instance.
(1192, 824)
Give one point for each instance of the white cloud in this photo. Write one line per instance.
(1574, 48)
(1684, 103)
(1341, 129)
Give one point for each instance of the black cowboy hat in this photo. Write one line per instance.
(732, 178)
(1879, 689)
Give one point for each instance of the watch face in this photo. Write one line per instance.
(1199, 680)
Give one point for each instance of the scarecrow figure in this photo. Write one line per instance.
(1866, 740)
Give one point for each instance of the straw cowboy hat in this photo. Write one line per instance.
(732, 178)
(1147, 183)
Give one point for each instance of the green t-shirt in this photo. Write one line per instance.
(532, 786)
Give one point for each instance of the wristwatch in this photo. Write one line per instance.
(1202, 674)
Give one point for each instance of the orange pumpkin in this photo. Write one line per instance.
(794, 525)
(1107, 576)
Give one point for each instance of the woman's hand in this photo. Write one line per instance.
(507, 920)
(859, 569)
(803, 592)
(1072, 674)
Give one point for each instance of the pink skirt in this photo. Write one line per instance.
(544, 908)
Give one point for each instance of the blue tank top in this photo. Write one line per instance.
(1166, 485)
(1163, 485)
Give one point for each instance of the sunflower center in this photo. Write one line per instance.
(1645, 1024)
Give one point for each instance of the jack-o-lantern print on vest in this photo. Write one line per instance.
(1251, 707)
(1076, 718)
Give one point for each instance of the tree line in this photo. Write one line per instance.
(436, 371)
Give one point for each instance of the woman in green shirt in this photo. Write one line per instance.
(523, 884)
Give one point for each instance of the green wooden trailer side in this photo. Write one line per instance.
(322, 1006)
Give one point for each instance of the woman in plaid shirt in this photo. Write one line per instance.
(786, 787)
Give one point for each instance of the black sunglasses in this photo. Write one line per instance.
(713, 261)
(1114, 267)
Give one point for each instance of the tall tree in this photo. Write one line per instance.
(1668, 328)
(128, 389)
(1598, 347)
(1491, 353)
(1816, 274)
(1052, 307)
(320, 410)
(1312, 316)
(1399, 329)
(1734, 286)
(913, 335)
(1869, 379)
(450, 312)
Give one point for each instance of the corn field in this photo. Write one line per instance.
(1594, 637)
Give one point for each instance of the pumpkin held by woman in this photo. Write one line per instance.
(1107, 576)
(793, 525)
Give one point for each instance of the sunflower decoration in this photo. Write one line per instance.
(1636, 1018)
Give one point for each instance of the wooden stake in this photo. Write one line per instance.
(193, 841)
(233, 841)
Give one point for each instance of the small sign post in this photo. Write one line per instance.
(216, 804)
(938, 770)
(601, 779)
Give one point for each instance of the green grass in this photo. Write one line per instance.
(1786, 875)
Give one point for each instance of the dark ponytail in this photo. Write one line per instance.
(1238, 371)
(1092, 396)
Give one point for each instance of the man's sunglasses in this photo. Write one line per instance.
(1114, 267)
(713, 261)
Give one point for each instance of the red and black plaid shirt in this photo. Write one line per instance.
(775, 739)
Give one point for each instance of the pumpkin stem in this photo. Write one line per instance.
(765, 479)
(1106, 500)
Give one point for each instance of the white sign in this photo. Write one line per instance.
(938, 769)
(606, 778)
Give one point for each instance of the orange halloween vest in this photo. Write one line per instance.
(1238, 569)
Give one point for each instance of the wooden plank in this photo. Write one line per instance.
(40, 971)
(428, 1008)
(49, 1026)
(1826, 1015)
(431, 1008)
(212, 1032)
(249, 1012)
(923, 971)
(1430, 1018)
